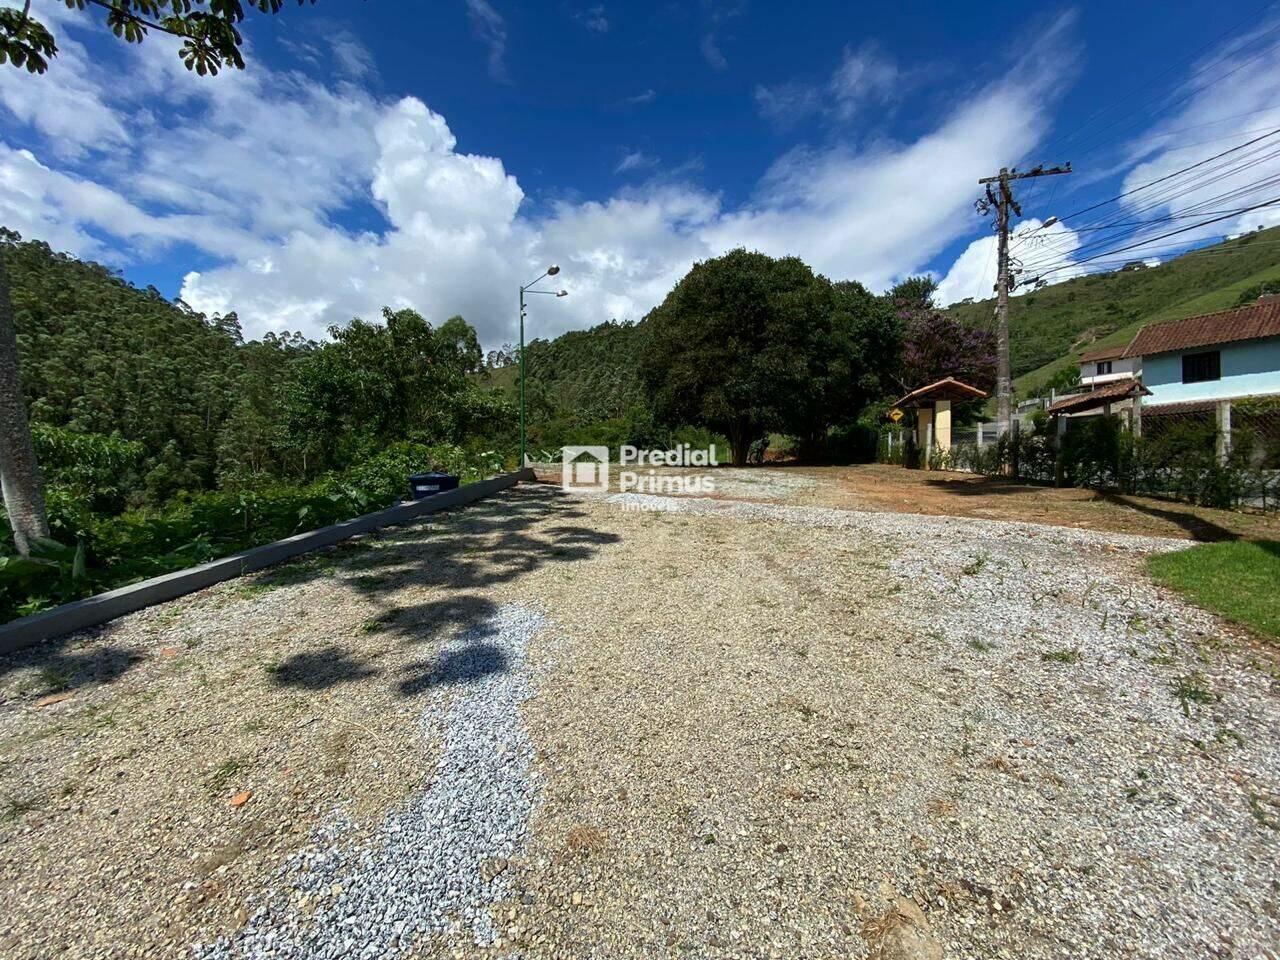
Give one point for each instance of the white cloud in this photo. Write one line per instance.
(786, 104)
(974, 272)
(863, 78)
(594, 19)
(71, 113)
(645, 96)
(352, 58)
(489, 26)
(634, 160)
(888, 209)
(1229, 98)
(712, 53)
(255, 169)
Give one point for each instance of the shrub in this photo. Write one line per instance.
(109, 551)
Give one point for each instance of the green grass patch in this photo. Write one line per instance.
(1236, 579)
(1062, 656)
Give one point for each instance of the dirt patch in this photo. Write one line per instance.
(941, 493)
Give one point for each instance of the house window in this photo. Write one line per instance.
(1104, 367)
(1199, 367)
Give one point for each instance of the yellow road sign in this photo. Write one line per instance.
(895, 414)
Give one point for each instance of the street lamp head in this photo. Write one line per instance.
(552, 270)
(563, 293)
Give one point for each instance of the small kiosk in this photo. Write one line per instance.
(933, 412)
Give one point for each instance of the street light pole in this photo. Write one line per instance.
(551, 271)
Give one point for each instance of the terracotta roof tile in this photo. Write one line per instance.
(948, 388)
(1119, 390)
(1112, 352)
(1260, 319)
(1186, 406)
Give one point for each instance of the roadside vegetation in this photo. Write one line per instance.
(1236, 579)
(166, 439)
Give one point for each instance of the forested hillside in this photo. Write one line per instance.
(164, 438)
(100, 356)
(580, 377)
(1049, 327)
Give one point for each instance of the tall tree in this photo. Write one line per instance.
(861, 342)
(461, 336)
(935, 346)
(210, 41)
(739, 346)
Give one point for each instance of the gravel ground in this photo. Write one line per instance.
(156, 773)
(791, 731)
(436, 865)
(759, 484)
(552, 726)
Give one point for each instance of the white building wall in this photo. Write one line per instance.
(1122, 368)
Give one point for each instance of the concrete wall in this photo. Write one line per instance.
(1249, 368)
(91, 611)
(924, 420)
(942, 424)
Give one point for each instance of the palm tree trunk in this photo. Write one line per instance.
(19, 474)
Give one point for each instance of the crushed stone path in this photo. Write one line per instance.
(437, 864)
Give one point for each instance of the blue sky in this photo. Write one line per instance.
(435, 155)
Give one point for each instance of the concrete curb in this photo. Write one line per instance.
(91, 611)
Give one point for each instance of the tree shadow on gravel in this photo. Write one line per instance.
(320, 669)
(467, 665)
(464, 551)
(61, 669)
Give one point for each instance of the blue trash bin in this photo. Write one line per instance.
(427, 484)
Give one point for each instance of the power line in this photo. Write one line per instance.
(1141, 243)
(1158, 180)
(1165, 196)
(1094, 133)
(1057, 247)
(1111, 266)
(1167, 253)
(1143, 223)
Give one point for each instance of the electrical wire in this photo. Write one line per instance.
(1258, 206)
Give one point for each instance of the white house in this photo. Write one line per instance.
(1108, 384)
(1106, 365)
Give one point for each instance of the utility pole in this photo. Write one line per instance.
(1001, 200)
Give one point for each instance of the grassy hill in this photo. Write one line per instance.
(1049, 328)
